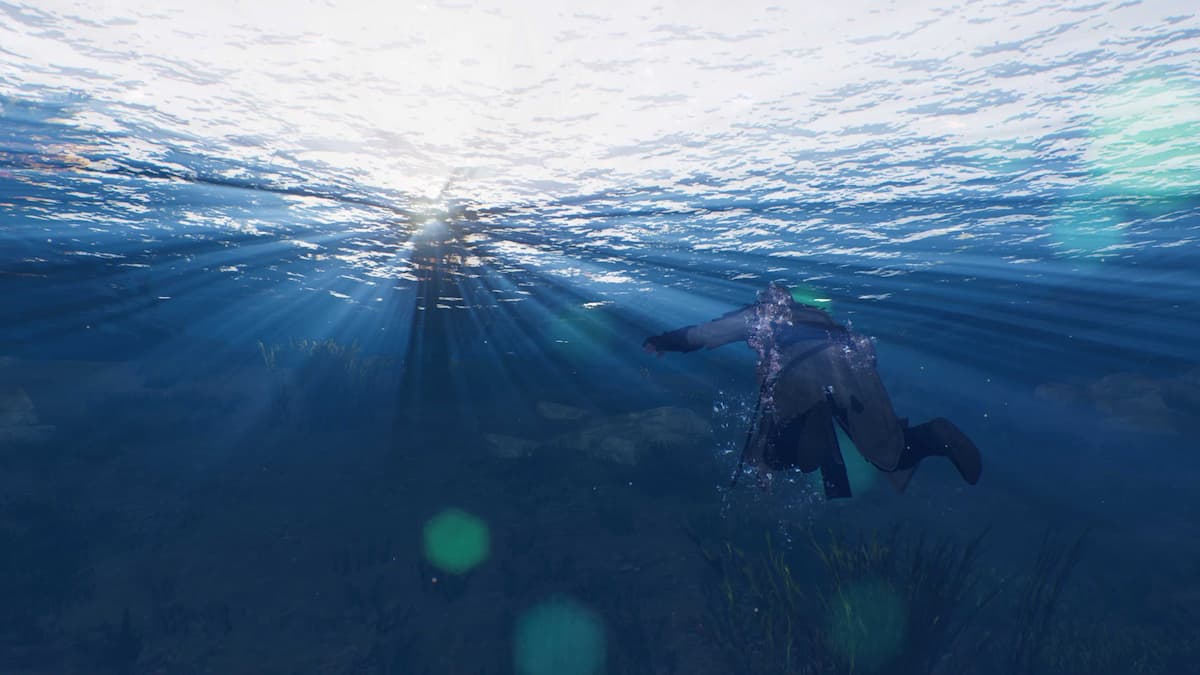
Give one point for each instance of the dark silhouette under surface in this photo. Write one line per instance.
(813, 373)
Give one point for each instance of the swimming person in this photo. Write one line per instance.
(813, 373)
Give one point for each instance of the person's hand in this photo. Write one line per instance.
(650, 346)
(670, 341)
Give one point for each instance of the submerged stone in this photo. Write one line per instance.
(510, 447)
(622, 439)
(19, 421)
(558, 411)
(1155, 404)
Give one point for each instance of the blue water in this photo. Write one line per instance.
(283, 284)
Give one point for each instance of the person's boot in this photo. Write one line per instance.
(939, 437)
(833, 475)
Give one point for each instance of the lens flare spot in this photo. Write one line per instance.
(456, 541)
(559, 637)
(1083, 230)
(582, 333)
(1143, 139)
(867, 624)
(808, 295)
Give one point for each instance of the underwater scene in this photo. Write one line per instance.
(480, 337)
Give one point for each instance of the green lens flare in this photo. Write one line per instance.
(559, 637)
(583, 333)
(456, 541)
(808, 295)
(1143, 138)
(867, 624)
(1080, 231)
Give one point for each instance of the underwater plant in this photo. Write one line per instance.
(878, 604)
(638, 638)
(1037, 602)
(758, 615)
(121, 647)
(1168, 646)
(377, 599)
(325, 380)
(45, 570)
(917, 598)
(897, 603)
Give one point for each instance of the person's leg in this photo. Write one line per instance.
(833, 472)
(801, 441)
(940, 438)
(807, 442)
(864, 410)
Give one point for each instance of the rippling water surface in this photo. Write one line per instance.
(286, 287)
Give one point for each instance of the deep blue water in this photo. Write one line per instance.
(286, 289)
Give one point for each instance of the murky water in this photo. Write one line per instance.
(321, 335)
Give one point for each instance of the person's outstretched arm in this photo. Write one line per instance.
(727, 328)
